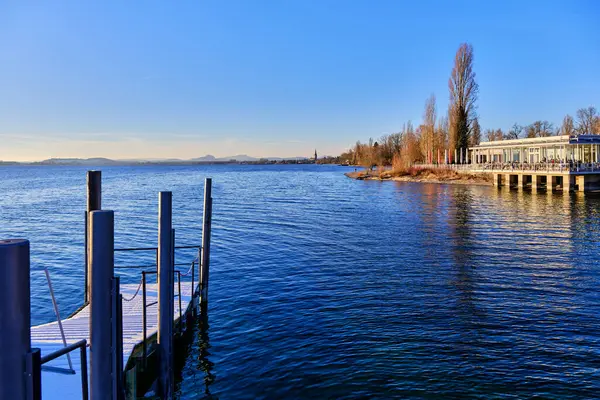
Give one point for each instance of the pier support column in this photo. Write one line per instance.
(551, 183)
(165, 296)
(567, 185)
(497, 179)
(94, 203)
(101, 262)
(580, 181)
(15, 318)
(507, 181)
(520, 181)
(535, 181)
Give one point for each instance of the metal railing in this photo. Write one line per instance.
(534, 167)
(58, 319)
(35, 362)
(507, 167)
(144, 281)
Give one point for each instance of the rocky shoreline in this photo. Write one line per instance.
(424, 176)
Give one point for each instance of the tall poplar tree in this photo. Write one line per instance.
(463, 95)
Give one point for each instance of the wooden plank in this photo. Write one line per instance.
(47, 337)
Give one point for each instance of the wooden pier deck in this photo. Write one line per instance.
(47, 337)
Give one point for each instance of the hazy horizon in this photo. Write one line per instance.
(161, 159)
(268, 79)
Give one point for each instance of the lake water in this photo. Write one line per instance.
(325, 287)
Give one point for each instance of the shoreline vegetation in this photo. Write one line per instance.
(446, 138)
(422, 175)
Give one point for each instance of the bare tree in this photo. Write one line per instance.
(540, 129)
(428, 128)
(475, 137)
(514, 132)
(385, 150)
(442, 134)
(490, 135)
(463, 95)
(568, 126)
(587, 120)
(410, 146)
(499, 134)
(396, 142)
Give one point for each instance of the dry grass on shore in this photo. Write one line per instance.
(413, 174)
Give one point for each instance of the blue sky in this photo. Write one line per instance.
(162, 79)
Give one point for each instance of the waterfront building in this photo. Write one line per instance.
(553, 162)
(552, 149)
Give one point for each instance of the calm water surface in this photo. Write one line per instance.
(325, 287)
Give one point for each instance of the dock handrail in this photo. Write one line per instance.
(152, 269)
(145, 305)
(35, 361)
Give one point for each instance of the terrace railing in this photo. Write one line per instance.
(508, 167)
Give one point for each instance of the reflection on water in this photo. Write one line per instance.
(197, 376)
(325, 287)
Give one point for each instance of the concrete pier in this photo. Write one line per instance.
(540, 181)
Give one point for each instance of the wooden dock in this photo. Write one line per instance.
(47, 337)
(121, 343)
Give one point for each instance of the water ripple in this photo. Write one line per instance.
(324, 287)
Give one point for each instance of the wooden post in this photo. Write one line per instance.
(165, 296)
(206, 228)
(94, 203)
(15, 318)
(101, 262)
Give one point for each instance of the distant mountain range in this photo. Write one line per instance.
(208, 159)
(239, 158)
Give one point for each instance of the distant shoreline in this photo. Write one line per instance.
(423, 176)
(154, 163)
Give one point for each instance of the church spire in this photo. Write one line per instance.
(315, 155)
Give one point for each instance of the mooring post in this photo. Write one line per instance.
(117, 339)
(101, 262)
(165, 296)
(15, 318)
(206, 225)
(94, 203)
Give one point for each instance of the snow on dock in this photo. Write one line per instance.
(47, 337)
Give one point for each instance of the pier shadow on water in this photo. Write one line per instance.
(193, 364)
